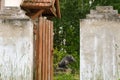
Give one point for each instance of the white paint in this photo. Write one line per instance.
(13, 3)
(95, 54)
(99, 55)
(16, 50)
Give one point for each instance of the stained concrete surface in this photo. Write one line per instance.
(16, 45)
(100, 45)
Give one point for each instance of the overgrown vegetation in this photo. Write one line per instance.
(64, 76)
(66, 29)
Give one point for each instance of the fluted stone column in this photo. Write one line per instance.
(100, 45)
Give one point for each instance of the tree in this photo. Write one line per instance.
(67, 30)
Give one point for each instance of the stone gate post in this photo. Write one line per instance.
(16, 45)
(100, 45)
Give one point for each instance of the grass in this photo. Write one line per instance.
(64, 76)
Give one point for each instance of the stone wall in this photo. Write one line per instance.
(100, 45)
(12, 3)
(16, 45)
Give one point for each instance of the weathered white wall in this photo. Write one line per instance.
(13, 3)
(100, 45)
(16, 50)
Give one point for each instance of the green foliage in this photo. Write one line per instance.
(67, 28)
(70, 26)
(75, 65)
(65, 77)
(58, 55)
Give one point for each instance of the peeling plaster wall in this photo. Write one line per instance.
(100, 45)
(99, 49)
(16, 47)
